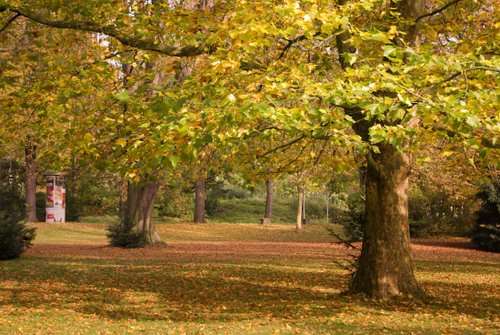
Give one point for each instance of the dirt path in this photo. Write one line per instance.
(456, 250)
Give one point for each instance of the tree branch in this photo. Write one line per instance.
(285, 145)
(488, 143)
(289, 45)
(437, 11)
(110, 30)
(9, 21)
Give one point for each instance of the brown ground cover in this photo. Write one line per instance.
(451, 250)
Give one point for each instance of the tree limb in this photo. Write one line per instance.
(110, 30)
(437, 11)
(9, 21)
(488, 143)
(282, 146)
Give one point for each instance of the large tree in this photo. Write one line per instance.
(373, 75)
(377, 76)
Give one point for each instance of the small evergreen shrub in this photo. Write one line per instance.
(73, 207)
(486, 232)
(354, 219)
(41, 198)
(15, 237)
(124, 235)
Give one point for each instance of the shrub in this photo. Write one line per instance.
(124, 235)
(437, 213)
(353, 219)
(215, 193)
(73, 207)
(486, 232)
(174, 202)
(15, 237)
(41, 198)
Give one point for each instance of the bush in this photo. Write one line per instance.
(437, 213)
(486, 232)
(41, 198)
(124, 235)
(353, 219)
(174, 202)
(15, 237)
(215, 193)
(73, 207)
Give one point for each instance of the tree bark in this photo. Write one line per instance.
(268, 211)
(300, 209)
(139, 209)
(200, 196)
(385, 267)
(30, 180)
(304, 220)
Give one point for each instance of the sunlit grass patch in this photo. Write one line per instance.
(145, 296)
(192, 286)
(95, 233)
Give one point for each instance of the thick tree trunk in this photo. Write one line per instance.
(138, 210)
(300, 209)
(268, 211)
(30, 180)
(385, 266)
(200, 196)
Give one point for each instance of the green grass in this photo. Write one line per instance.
(247, 210)
(83, 233)
(251, 210)
(89, 289)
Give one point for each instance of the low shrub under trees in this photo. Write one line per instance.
(353, 219)
(486, 233)
(124, 235)
(430, 213)
(438, 213)
(15, 237)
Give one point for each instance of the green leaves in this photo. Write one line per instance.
(122, 96)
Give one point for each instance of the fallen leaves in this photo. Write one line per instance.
(237, 288)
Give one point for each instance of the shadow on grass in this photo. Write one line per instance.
(200, 291)
(456, 244)
(177, 292)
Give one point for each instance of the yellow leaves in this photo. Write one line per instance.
(88, 137)
(121, 142)
(76, 285)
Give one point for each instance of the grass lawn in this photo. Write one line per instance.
(233, 279)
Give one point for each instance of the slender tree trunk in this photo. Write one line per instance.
(385, 266)
(200, 196)
(327, 208)
(304, 220)
(300, 209)
(268, 212)
(138, 210)
(30, 180)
